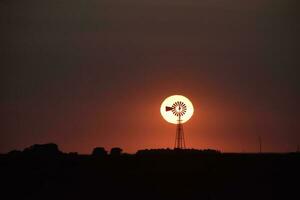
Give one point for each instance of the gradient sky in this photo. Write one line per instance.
(87, 73)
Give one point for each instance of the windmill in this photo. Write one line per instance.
(177, 110)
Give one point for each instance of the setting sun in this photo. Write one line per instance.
(175, 107)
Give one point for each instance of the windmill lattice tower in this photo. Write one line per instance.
(178, 109)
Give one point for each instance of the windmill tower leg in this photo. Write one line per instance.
(179, 140)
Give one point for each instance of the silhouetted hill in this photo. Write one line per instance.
(44, 172)
(176, 152)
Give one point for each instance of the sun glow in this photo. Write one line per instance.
(171, 106)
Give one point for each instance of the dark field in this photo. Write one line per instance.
(149, 174)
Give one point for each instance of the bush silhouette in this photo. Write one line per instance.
(49, 149)
(116, 151)
(99, 152)
(14, 153)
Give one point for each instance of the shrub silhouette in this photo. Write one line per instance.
(14, 153)
(116, 151)
(49, 149)
(99, 152)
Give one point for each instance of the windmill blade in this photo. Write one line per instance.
(169, 108)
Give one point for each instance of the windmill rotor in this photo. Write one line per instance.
(179, 108)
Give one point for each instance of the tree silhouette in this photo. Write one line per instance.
(49, 149)
(116, 151)
(99, 152)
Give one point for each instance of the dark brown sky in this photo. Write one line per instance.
(86, 73)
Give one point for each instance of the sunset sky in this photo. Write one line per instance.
(87, 73)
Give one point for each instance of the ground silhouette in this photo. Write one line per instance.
(44, 172)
